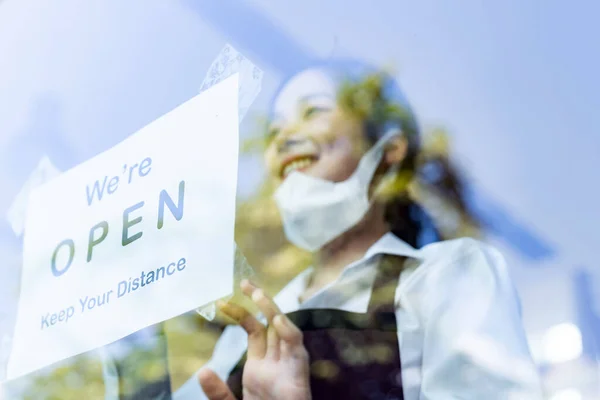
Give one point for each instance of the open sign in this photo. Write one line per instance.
(99, 232)
(134, 236)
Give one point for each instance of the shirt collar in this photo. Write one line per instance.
(392, 244)
(389, 243)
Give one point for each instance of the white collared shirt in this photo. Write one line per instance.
(459, 324)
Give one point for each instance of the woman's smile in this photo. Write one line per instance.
(297, 163)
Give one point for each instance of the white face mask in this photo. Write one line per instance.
(316, 211)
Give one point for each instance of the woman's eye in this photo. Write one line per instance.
(310, 112)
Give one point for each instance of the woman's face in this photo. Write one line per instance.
(309, 132)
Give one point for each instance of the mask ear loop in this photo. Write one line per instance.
(384, 188)
(379, 146)
(393, 182)
(390, 175)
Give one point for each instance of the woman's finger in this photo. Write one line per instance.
(291, 343)
(247, 287)
(257, 332)
(287, 351)
(265, 304)
(272, 344)
(214, 388)
(288, 331)
(241, 316)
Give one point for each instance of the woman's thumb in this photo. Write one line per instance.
(214, 388)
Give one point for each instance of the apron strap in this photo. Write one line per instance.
(386, 281)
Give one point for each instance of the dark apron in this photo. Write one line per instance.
(352, 355)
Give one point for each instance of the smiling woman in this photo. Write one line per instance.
(382, 311)
(319, 123)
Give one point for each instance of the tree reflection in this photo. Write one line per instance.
(189, 339)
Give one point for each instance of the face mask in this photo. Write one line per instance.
(316, 211)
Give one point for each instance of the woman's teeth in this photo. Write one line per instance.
(297, 164)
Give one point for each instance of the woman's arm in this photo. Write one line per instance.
(474, 345)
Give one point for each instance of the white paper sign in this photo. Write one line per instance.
(137, 235)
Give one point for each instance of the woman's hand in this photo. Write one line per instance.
(277, 362)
